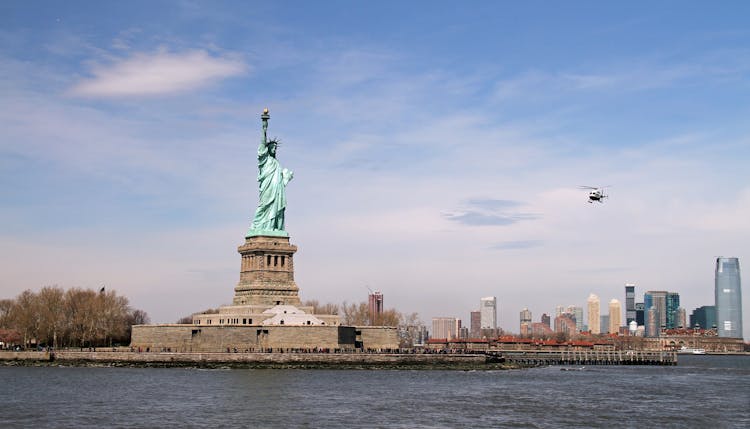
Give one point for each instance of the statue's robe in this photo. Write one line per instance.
(272, 181)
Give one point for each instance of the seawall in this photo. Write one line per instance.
(256, 360)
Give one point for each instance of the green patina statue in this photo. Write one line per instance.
(272, 181)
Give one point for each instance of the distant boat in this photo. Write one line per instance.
(691, 351)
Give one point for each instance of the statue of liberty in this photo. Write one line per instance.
(272, 181)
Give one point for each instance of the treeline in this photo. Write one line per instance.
(68, 318)
(358, 314)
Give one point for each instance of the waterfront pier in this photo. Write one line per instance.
(589, 357)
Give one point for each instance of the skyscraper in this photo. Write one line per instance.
(728, 298)
(475, 324)
(652, 322)
(445, 328)
(559, 310)
(604, 322)
(656, 301)
(673, 307)
(577, 313)
(593, 313)
(488, 309)
(375, 307)
(666, 305)
(615, 316)
(640, 314)
(629, 302)
(566, 324)
(703, 317)
(545, 320)
(681, 318)
(525, 319)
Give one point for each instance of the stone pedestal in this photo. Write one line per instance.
(266, 273)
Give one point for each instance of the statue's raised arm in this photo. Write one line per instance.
(272, 181)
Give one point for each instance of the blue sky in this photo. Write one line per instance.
(437, 148)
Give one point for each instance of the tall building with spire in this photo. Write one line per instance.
(728, 298)
(593, 314)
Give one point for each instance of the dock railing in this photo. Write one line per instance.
(590, 357)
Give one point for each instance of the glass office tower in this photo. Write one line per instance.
(640, 313)
(673, 307)
(728, 298)
(703, 317)
(666, 304)
(629, 303)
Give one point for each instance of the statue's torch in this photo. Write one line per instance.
(265, 117)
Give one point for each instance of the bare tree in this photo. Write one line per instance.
(113, 315)
(76, 316)
(185, 320)
(138, 317)
(407, 328)
(25, 315)
(355, 314)
(81, 309)
(389, 317)
(318, 308)
(311, 303)
(50, 302)
(135, 317)
(6, 308)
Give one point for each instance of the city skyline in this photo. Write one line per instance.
(667, 308)
(437, 150)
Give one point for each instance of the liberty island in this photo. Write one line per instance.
(266, 313)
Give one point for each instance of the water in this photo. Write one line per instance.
(702, 391)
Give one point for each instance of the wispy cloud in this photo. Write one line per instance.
(638, 74)
(514, 245)
(159, 73)
(489, 212)
(490, 204)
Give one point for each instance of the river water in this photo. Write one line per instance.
(700, 392)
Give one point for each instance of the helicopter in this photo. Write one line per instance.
(595, 194)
